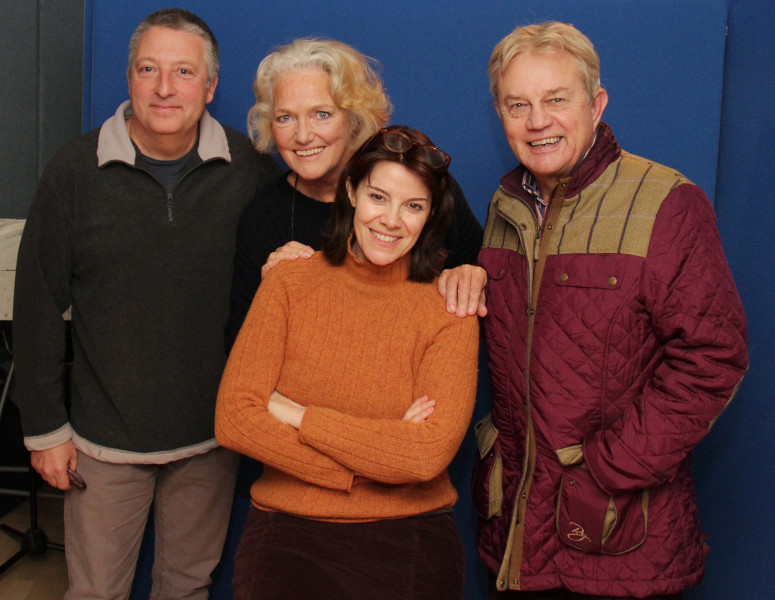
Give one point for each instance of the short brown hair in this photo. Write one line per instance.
(428, 254)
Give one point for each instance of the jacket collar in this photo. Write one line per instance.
(603, 152)
(115, 144)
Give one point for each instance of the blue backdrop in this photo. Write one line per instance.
(679, 83)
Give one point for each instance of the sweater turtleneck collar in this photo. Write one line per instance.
(363, 270)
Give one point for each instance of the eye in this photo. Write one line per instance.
(417, 206)
(323, 114)
(557, 100)
(377, 197)
(184, 71)
(517, 107)
(283, 119)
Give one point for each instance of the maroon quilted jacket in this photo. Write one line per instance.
(616, 337)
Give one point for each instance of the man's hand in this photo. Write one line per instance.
(290, 251)
(463, 290)
(52, 464)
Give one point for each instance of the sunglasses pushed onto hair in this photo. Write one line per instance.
(398, 142)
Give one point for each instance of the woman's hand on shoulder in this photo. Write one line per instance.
(290, 251)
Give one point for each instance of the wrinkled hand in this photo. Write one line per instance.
(52, 464)
(463, 290)
(290, 251)
(286, 410)
(420, 410)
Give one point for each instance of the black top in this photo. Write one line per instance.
(269, 219)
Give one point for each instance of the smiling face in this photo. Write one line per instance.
(169, 90)
(546, 113)
(312, 134)
(392, 205)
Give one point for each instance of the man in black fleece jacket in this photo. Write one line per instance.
(133, 228)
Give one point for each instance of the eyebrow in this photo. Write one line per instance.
(384, 193)
(555, 91)
(551, 92)
(377, 189)
(324, 107)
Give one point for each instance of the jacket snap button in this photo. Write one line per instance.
(612, 281)
(523, 225)
(564, 277)
(571, 482)
(500, 272)
(515, 581)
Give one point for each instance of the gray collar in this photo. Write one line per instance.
(115, 144)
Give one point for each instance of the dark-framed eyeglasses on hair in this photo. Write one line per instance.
(398, 142)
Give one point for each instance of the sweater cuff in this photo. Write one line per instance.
(49, 440)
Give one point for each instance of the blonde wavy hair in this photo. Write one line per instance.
(355, 87)
(547, 37)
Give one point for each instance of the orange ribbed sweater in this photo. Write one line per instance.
(356, 344)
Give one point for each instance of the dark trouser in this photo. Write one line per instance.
(288, 558)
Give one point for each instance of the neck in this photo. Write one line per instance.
(161, 147)
(321, 190)
(547, 188)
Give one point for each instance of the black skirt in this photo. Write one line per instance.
(281, 557)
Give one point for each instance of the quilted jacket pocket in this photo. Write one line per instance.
(487, 483)
(589, 519)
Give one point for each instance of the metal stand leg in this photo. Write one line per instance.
(34, 541)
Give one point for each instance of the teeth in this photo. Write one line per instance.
(545, 142)
(309, 152)
(382, 237)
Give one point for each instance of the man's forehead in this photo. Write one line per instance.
(158, 34)
(545, 71)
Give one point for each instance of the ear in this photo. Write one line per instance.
(211, 90)
(350, 192)
(599, 103)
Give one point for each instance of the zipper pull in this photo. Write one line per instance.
(169, 207)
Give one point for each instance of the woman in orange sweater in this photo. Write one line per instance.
(354, 386)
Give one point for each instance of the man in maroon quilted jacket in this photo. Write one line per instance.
(615, 335)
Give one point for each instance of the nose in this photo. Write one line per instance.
(164, 85)
(539, 117)
(391, 216)
(303, 133)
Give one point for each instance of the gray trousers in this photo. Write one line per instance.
(104, 525)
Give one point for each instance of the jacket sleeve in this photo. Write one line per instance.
(242, 420)
(464, 236)
(697, 316)
(393, 451)
(41, 297)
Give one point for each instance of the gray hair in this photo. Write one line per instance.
(547, 37)
(178, 19)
